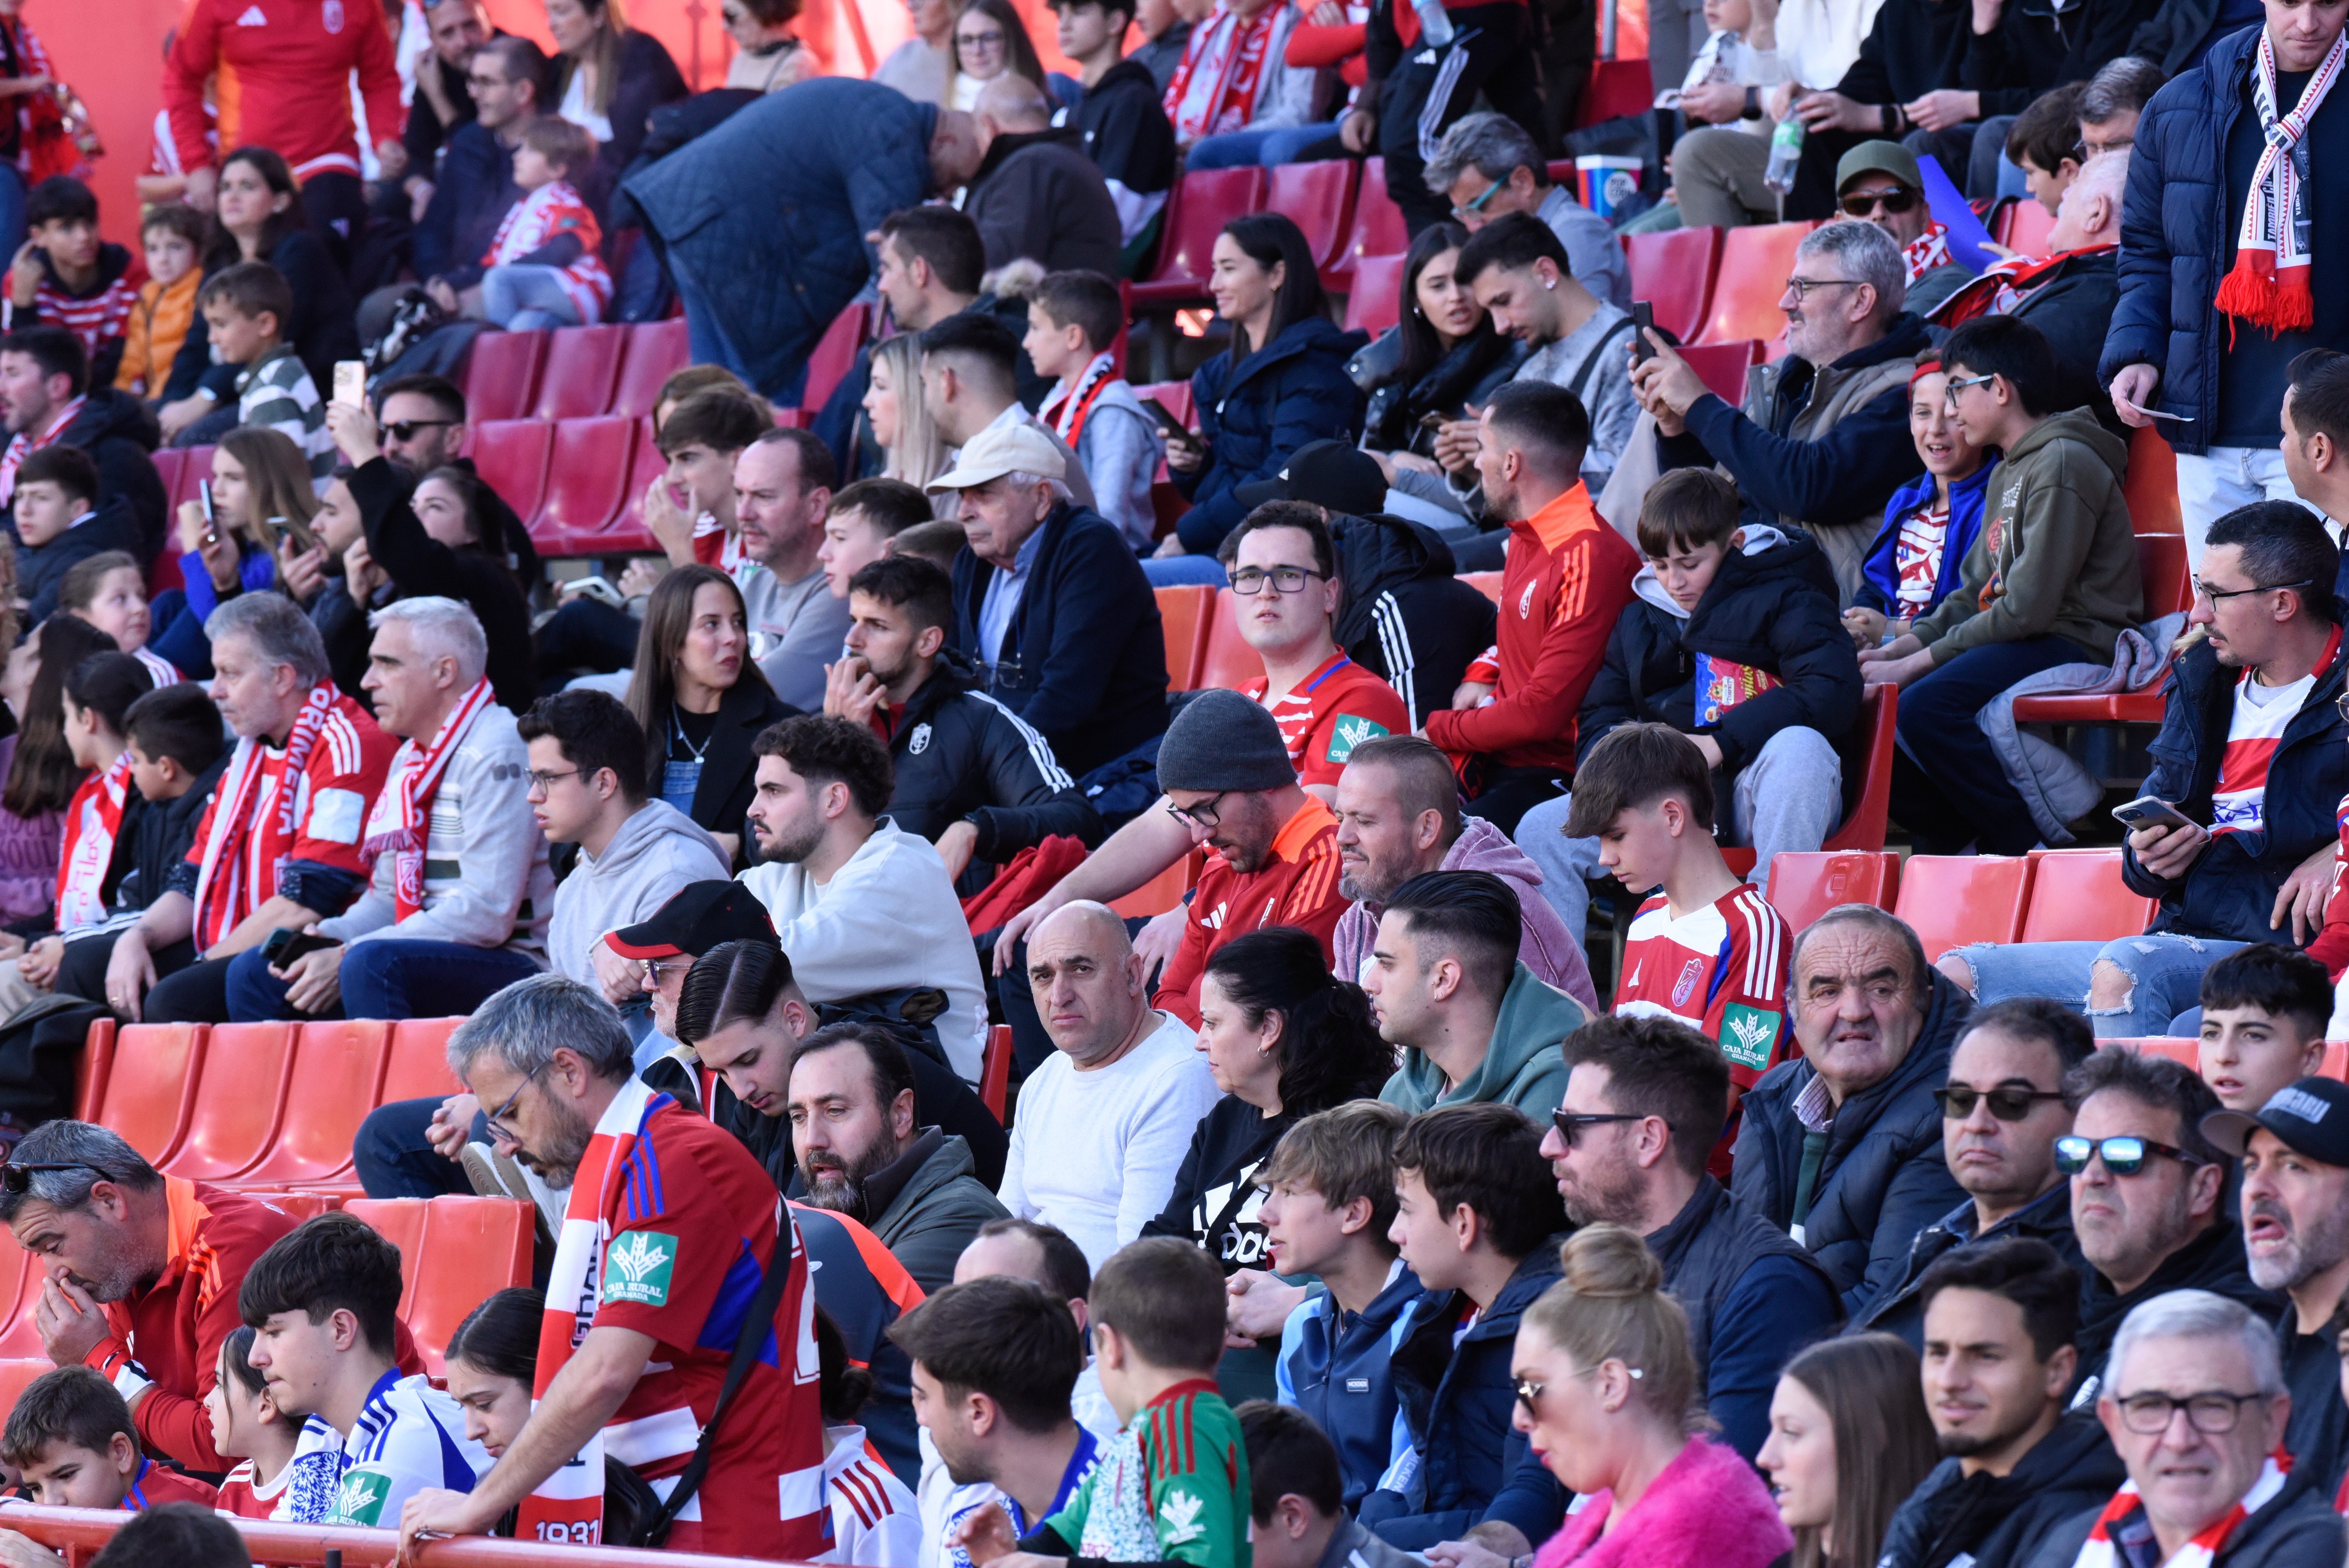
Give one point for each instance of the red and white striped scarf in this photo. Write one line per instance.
(535, 221)
(1065, 407)
(25, 443)
(219, 876)
(1927, 251)
(2097, 1550)
(399, 822)
(92, 820)
(2269, 285)
(1215, 86)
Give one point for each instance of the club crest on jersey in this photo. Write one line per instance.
(1525, 602)
(1686, 986)
(919, 741)
(331, 15)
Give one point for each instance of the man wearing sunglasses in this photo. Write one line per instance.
(1880, 182)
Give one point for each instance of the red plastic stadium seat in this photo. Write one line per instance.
(1488, 583)
(1803, 887)
(1673, 272)
(1952, 900)
(401, 1221)
(501, 374)
(510, 457)
(473, 1248)
(1183, 611)
(418, 1063)
(656, 351)
(1755, 265)
(2077, 895)
(1225, 659)
(834, 353)
(2336, 1059)
(582, 364)
(20, 1284)
(627, 532)
(586, 485)
(169, 462)
(90, 1072)
(2022, 226)
(148, 1097)
(1378, 223)
(240, 1090)
(2161, 562)
(1374, 294)
(2151, 486)
(1723, 366)
(1202, 205)
(17, 1374)
(1616, 88)
(330, 1089)
(195, 468)
(994, 1069)
(1318, 198)
(1162, 892)
(1869, 748)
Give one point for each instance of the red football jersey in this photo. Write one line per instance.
(1329, 712)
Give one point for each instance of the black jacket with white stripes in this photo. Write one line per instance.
(959, 754)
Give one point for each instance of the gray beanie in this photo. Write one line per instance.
(1221, 740)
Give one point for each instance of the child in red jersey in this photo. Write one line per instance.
(71, 1437)
(247, 1425)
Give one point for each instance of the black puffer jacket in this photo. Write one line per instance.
(1883, 1178)
(159, 834)
(1899, 1309)
(1771, 607)
(2036, 47)
(1466, 374)
(960, 755)
(1997, 1521)
(2213, 1261)
(1405, 617)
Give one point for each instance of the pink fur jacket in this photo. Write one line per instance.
(1707, 1510)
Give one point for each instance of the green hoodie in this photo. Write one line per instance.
(1523, 1066)
(2056, 535)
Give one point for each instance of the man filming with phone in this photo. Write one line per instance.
(2249, 762)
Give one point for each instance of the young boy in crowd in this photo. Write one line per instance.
(1298, 1517)
(861, 523)
(246, 308)
(2045, 143)
(322, 1303)
(1172, 1487)
(1329, 1204)
(542, 269)
(1120, 118)
(248, 1427)
(65, 276)
(71, 1438)
(1474, 1210)
(58, 524)
(2264, 1008)
(1073, 319)
(173, 236)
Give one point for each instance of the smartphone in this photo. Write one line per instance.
(599, 589)
(1643, 319)
(286, 944)
(1166, 419)
(2151, 812)
(1433, 423)
(211, 523)
(350, 383)
(294, 529)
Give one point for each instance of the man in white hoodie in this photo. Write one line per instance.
(864, 909)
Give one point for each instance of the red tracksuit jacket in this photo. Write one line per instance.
(284, 69)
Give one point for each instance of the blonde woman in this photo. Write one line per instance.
(912, 449)
(608, 76)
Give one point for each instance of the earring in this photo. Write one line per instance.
(1549, 283)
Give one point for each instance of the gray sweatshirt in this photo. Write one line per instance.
(1118, 446)
(656, 852)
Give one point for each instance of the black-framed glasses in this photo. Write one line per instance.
(1569, 1124)
(2122, 1156)
(17, 1179)
(2204, 591)
(1249, 581)
(497, 1118)
(1206, 814)
(1860, 203)
(405, 429)
(1803, 286)
(2214, 1414)
(2008, 1101)
(1955, 385)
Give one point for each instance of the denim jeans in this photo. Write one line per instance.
(1253, 145)
(2213, 483)
(1948, 788)
(393, 1159)
(2165, 975)
(1174, 570)
(527, 298)
(387, 979)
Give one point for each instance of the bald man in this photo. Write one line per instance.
(1104, 1123)
(1037, 194)
(1041, 1255)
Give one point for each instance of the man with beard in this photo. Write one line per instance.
(2296, 1231)
(1627, 1144)
(1999, 1319)
(664, 1209)
(862, 1153)
(2148, 1197)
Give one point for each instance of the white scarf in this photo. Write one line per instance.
(400, 820)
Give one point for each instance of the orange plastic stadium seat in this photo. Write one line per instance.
(2336, 1059)
(511, 455)
(401, 1221)
(1374, 294)
(1162, 892)
(2077, 895)
(582, 364)
(240, 1092)
(1675, 272)
(2150, 487)
(1803, 887)
(1225, 659)
(20, 1285)
(994, 1069)
(1318, 198)
(656, 351)
(2161, 564)
(1755, 265)
(1183, 611)
(473, 1248)
(89, 1073)
(586, 485)
(16, 1375)
(330, 1089)
(1722, 367)
(1952, 900)
(1203, 202)
(833, 354)
(501, 374)
(1868, 751)
(417, 1062)
(148, 1097)
(2185, 1053)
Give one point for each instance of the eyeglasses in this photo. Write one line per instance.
(17, 1179)
(1801, 287)
(1249, 581)
(979, 40)
(2008, 1102)
(1477, 205)
(1860, 203)
(497, 1118)
(656, 967)
(1206, 814)
(2122, 1156)
(2204, 591)
(405, 429)
(1950, 389)
(1569, 1125)
(1528, 1390)
(544, 782)
(2213, 1414)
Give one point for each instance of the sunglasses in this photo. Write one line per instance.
(17, 1179)
(1860, 203)
(1569, 1124)
(2122, 1156)
(405, 429)
(2008, 1102)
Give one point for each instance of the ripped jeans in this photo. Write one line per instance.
(2165, 972)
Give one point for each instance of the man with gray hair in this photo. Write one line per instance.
(671, 1231)
(459, 893)
(282, 844)
(1487, 166)
(1823, 440)
(1038, 194)
(2197, 1410)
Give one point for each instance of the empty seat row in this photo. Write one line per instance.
(2048, 895)
(572, 371)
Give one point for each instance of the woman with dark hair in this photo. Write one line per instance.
(768, 55)
(608, 76)
(990, 39)
(701, 701)
(259, 218)
(39, 763)
(874, 1519)
(1283, 384)
(1849, 1439)
(1284, 1038)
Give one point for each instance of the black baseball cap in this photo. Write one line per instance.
(697, 918)
(1331, 474)
(2312, 1118)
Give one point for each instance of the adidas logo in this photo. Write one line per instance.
(252, 17)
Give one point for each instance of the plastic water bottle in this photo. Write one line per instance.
(1785, 152)
(1434, 22)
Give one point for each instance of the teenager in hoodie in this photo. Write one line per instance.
(1124, 128)
(2051, 579)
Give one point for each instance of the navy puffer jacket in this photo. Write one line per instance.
(1254, 414)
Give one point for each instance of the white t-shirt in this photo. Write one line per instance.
(1096, 1153)
(2254, 731)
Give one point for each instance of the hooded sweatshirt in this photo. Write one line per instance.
(655, 853)
(1997, 1521)
(1524, 1064)
(1545, 946)
(2056, 554)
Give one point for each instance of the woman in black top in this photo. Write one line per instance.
(1441, 355)
(608, 76)
(701, 701)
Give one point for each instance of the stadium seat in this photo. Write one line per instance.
(2022, 225)
(417, 1062)
(169, 462)
(1175, 396)
(656, 351)
(1225, 658)
(834, 353)
(2185, 1053)
(1488, 583)
(400, 1221)
(2336, 1059)
(330, 1088)
(1203, 202)
(16, 1375)
(20, 1284)
(1869, 748)
(1673, 272)
(1182, 613)
(995, 1070)
(627, 532)
(90, 1072)
(1803, 887)
(240, 1092)
(149, 1103)
(1722, 367)
(2161, 563)
(1162, 892)
(1378, 225)
(1952, 900)
(473, 1248)
(195, 468)
(501, 375)
(586, 485)
(1616, 88)
(2077, 895)
(582, 364)
(1755, 265)
(1318, 198)
(1374, 294)
(511, 455)
(2151, 484)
